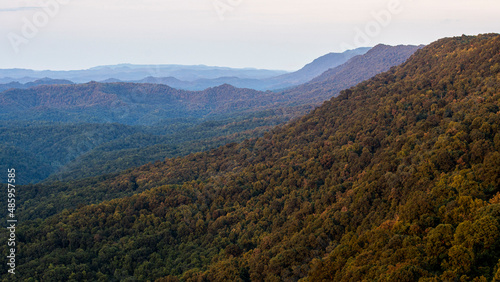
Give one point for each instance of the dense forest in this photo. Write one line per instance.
(395, 179)
(70, 131)
(45, 151)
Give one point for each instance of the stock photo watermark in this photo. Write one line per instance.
(373, 28)
(11, 220)
(31, 26)
(222, 7)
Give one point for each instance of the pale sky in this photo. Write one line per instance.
(270, 34)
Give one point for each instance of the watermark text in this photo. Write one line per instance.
(11, 220)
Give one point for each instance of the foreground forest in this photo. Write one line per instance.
(396, 179)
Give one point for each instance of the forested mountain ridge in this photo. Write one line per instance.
(395, 179)
(126, 103)
(378, 59)
(329, 84)
(314, 69)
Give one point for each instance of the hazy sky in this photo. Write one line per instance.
(272, 34)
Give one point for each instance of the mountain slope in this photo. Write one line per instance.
(378, 59)
(152, 144)
(315, 68)
(395, 179)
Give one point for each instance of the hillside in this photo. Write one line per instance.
(378, 59)
(395, 179)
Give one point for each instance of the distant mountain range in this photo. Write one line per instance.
(129, 72)
(315, 68)
(379, 59)
(184, 77)
(147, 103)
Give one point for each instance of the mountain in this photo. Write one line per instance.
(308, 72)
(45, 151)
(113, 80)
(201, 84)
(378, 59)
(5, 80)
(397, 178)
(75, 131)
(130, 72)
(329, 84)
(194, 78)
(315, 68)
(79, 130)
(126, 103)
(170, 81)
(44, 81)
